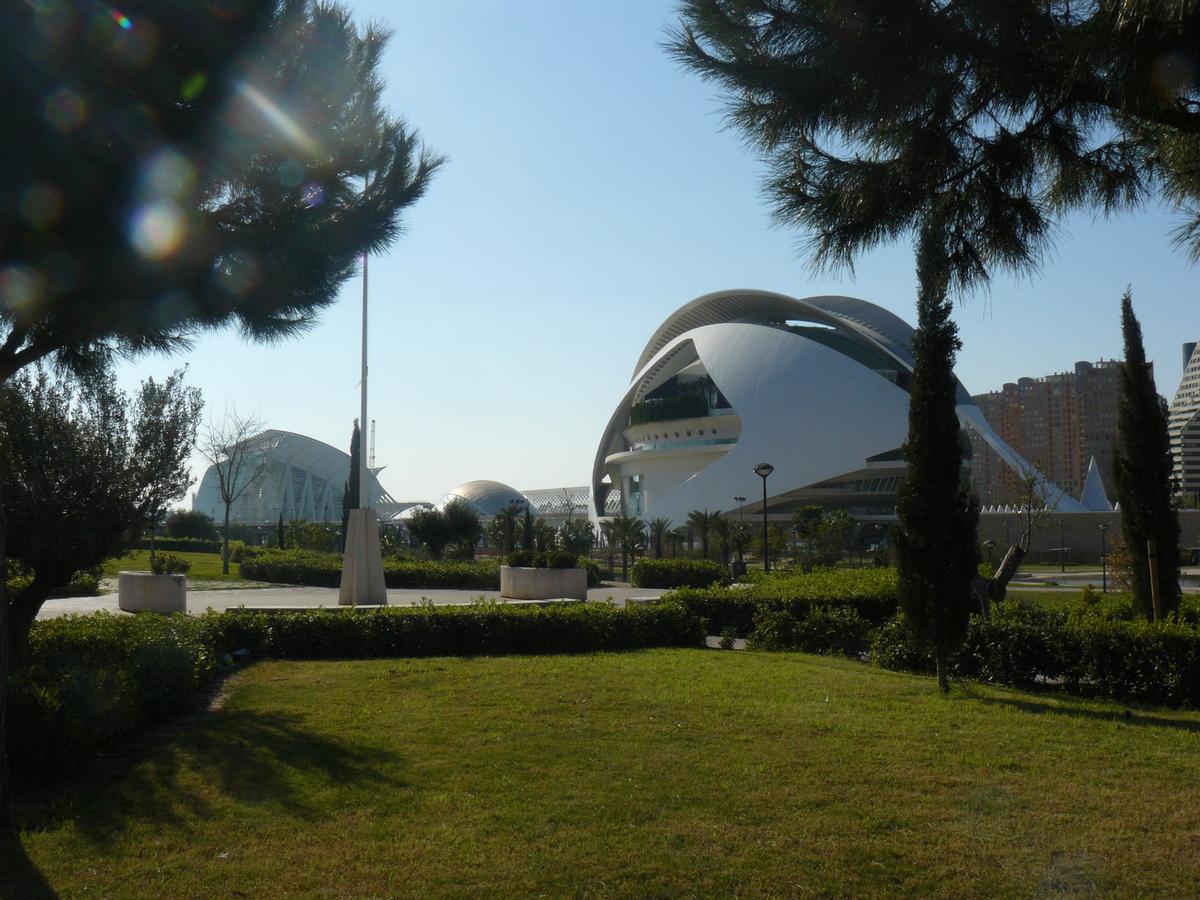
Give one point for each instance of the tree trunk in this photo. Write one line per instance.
(225, 544)
(20, 620)
(624, 564)
(7, 829)
(943, 677)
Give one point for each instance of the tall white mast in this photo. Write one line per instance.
(363, 494)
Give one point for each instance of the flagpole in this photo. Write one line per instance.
(363, 494)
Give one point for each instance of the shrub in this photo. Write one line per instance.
(183, 523)
(87, 680)
(317, 569)
(838, 630)
(166, 564)
(872, 592)
(676, 573)
(177, 545)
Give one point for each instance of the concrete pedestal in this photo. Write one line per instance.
(520, 583)
(362, 566)
(147, 592)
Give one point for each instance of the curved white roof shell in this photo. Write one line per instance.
(487, 498)
(816, 387)
(298, 477)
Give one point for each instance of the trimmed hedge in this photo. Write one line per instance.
(317, 569)
(177, 545)
(555, 559)
(88, 680)
(872, 593)
(676, 573)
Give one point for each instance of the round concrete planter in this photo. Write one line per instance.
(147, 592)
(520, 583)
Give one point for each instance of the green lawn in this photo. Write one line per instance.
(204, 565)
(657, 773)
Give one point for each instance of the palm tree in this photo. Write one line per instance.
(628, 534)
(700, 521)
(658, 530)
(722, 529)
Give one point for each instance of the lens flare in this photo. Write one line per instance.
(313, 195)
(168, 174)
(64, 109)
(20, 288)
(41, 205)
(156, 230)
(121, 19)
(278, 119)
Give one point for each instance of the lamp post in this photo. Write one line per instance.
(763, 471)
(1062, 548)
(1104, 556)
(741, 562)
(989, 544)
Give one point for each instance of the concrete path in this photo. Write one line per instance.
(313, 597)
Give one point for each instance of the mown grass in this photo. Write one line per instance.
(204, 565)
(656, 773)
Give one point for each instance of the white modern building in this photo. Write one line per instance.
(1183, 424)
(817, 388)
(291, 475)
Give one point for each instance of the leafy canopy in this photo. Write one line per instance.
(184, 166)
(973, 123)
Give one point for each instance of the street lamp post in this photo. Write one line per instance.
(1104, 556)
(1062, 548)
(763, 471)
(989, 544)
(741, 562)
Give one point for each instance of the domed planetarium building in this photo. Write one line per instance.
(818, 388)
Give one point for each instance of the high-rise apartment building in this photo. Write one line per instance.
(1058, 423)
(1183, 424)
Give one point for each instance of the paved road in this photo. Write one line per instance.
(312, 597)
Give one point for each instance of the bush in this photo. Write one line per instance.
(317, 569)
(87, 680)
(183, 523)
(871, 592)
(177, 545)
(837, 630)
(676, 573)
(166, 564)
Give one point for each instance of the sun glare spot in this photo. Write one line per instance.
(169, 174)
(64, 109)
(20, 288)
(41, 205)
(156, 230)
(313, 195)
(193, 86)
(121, 19)
(285, 124)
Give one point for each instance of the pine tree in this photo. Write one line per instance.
(350, 492)
(937, 551)
(211, 176)
(1142, 466)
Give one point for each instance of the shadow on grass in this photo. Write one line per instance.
(1072, 707)
(19, 877)
(181, 772)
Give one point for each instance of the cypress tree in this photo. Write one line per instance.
(936, 547)
(350, 491)
(1142, 467)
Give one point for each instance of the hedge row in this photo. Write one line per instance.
(872, 593)
(313, 568)
(676, 573)
(177, 545)
(88, 680)
(1088, 654)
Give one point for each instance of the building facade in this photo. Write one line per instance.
(816, 388)
(1183, 425)
(1058, 422)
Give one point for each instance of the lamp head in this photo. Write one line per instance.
(739, 499)
(1103, 526)
(762, 470)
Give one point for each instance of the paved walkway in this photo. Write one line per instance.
(313, 597)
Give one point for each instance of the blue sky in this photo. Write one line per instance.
(591, 189)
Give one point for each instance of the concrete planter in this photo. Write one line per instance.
(519, 583)
(147, 592)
